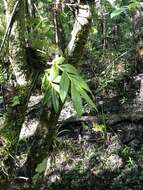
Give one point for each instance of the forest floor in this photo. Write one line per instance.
(93, 156)
(97, 156)
(99, 160)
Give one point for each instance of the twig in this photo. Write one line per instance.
(9, 26)
(38, 12)
(110, 119)
(121, 55)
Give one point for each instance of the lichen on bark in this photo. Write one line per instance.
(23, 86)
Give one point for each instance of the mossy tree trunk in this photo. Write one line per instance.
(21, 88)
(46, 131)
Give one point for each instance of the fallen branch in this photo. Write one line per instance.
(108, 119)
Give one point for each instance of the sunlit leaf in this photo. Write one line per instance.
(98, 128)
(15, 101)
(94, 30)
(57, 79)
(118, 11)
(56, 87)
(54, 71)
(69, 69)
(45, 82)
(64, 86)
(58, 60)
(134, 5)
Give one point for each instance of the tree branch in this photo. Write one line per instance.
(9, 25)
(46, 129)
(79, 34)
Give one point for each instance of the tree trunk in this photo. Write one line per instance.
(43, 141)
(22, 86)
(46, 129)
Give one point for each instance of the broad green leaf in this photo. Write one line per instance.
(64, 86)
(47, 100)
(134, 5)
(56, 87)
(55, 100)
(57, 79)
(69, 69)
(86, 97)
(118, 11)
(54, 72)
(59, 60)
(76, 99)
(42, 166)
(45, 82)
(15, 101)
(79, 82)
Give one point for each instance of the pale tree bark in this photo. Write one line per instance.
(17, 40)
(79, 34)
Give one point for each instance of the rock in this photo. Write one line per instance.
(67, 111)
(114, 162)
(114, 146)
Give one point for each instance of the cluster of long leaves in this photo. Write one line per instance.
(118, 10)
(63, 80)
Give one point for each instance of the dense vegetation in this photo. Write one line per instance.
(71, 94)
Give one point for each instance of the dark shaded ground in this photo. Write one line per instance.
(103, 156)
(107, 160)
(93, 156)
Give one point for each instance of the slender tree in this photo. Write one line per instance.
(25, 81)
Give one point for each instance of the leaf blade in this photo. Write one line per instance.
(69, 69)
(64, 86)
(87, 98)
(76, 99)
(118, 11)
(55, 100)
(80, 82)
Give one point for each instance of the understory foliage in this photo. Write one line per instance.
(57, 87)
(62, 50)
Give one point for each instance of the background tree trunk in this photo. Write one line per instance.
(22, 85)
